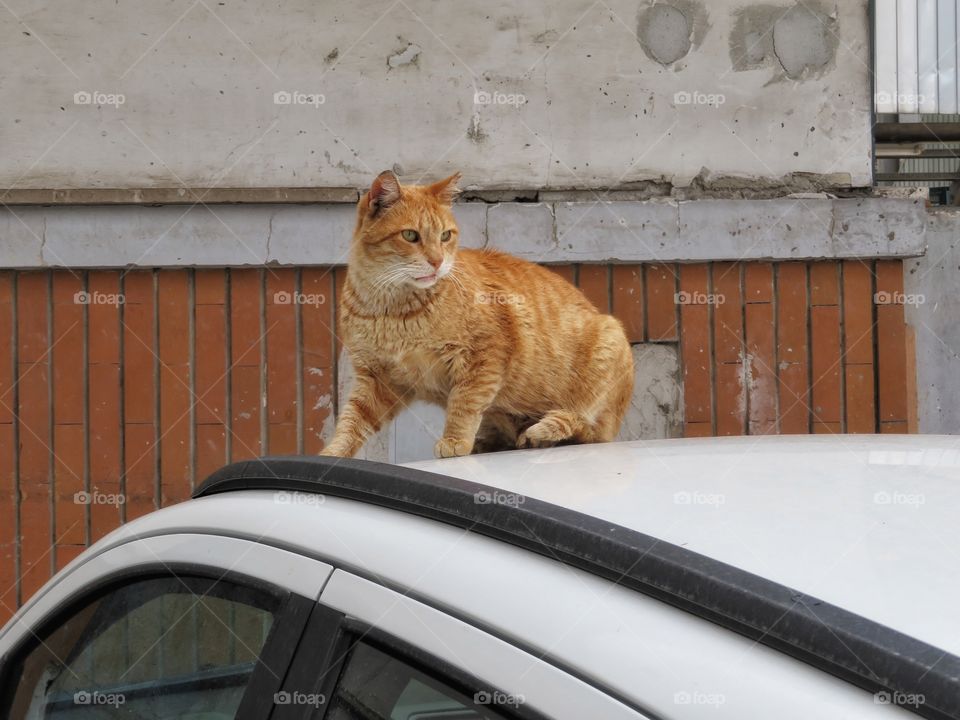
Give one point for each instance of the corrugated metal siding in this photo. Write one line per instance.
(916, 56)
(924, 165)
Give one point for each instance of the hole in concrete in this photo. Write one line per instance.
(755, 50)
(802, 41)
(665, 34)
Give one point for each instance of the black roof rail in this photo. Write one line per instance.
(860, 651)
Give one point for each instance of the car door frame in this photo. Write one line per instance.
(469, 657)
(294, 579)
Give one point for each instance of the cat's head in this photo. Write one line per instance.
(406, 235)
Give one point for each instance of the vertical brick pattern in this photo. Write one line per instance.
(284, 305)
(892, 347)
(760, 338)
(858, 333)
(141, 369)
(210, 371)
(104, 434)
(825, 350)
(138, 384)
(793, 348)
(175, 302)
(246, 401)
(35, 452)
(317, 360)
(695, 349)
(9, 584)
(730, 386)
(68, 357)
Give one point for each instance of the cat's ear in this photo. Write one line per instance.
(446, 190)
(384, 193)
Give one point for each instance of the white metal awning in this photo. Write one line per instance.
(916, 56)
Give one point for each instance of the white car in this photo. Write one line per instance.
(731, 579)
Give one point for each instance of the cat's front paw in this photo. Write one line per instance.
(452, 447)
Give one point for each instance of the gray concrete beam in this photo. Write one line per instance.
(932, 308)
(622, 231)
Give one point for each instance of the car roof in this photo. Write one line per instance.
(594, 507)
(868, 523)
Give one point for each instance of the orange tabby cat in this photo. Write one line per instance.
(517, 355)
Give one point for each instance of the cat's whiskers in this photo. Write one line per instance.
(454, 275)
(390, 277)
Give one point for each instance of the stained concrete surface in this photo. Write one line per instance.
(930, 284)
(575, 100)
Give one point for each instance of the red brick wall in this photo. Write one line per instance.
(198, 368)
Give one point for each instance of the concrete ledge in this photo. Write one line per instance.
(319, 234)
(175, 195)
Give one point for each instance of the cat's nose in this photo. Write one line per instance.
(435, 263)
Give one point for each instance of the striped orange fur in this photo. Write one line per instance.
(517, 355)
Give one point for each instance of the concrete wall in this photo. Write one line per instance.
(932, 306)
(515, 93)
(622, 231)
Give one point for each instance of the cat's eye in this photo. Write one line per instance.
(444, 236)
(411, 235)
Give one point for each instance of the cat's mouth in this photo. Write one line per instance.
(426, 280)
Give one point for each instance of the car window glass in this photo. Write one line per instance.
(378, 686)
(158, 649)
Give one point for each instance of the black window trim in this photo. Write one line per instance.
(272, 664)
(316, 663)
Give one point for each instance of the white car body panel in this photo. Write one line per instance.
(868, 523)
(641, 648)
(526, 679)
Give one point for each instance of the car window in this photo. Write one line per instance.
(377, 686)
(157, 649)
